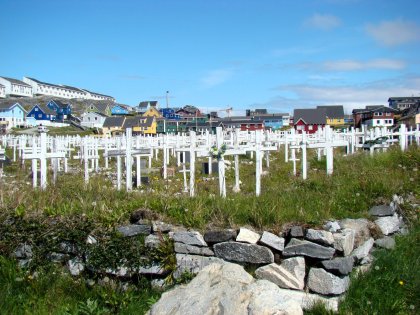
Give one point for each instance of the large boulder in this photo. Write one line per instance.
(323, 282)
(243, 253)
(289, 275)
(305, 248)
(225, 289)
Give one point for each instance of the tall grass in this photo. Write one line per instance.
(358, 182)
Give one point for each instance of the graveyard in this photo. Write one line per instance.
(75, 187)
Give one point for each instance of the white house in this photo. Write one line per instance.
(15, 88)
(2, 91)
(12, 114)
(64, 91)
(93, 120)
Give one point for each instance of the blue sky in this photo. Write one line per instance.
(272, 54)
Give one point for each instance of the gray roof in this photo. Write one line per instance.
(45, 83)
(73, 88)
(45, 109)
(61, 104)
(313, 116)
(14, 81)
(6, 104)
(137, 121)
(414, 98)
(144, 104)
(268, 117)
(97, 93)
(101, 107)
(115, 121)
(333, 111)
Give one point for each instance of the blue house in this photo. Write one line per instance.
(273, 121)
(42, 112)
(62, 110)
(119, 110)
(12, 114)
(170, 113)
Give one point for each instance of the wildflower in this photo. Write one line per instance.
(411, 307)
(357, 194)
(401, 282)
(369, 302)
(93, 203)
(376, 267)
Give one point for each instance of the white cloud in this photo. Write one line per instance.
(352, 96)
(393, 33)
(352, 65)
(216, 77)
(323, 21)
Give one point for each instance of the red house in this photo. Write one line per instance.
(309, 119)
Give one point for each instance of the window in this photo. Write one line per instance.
(310, 127)
(39, 115)
(378, 122)
(388, 114)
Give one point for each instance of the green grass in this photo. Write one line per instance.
(72, 210)
(358, 182)
(51, 291)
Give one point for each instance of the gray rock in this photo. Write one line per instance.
(296, 231)
(344, 241)
(135, 229)
(308, 300)
(75, 266)
(213, 237)
(192, 263)
(332, 226)
(247, 236)
(323, 282)
(289, 275)
(342, 265)
(368, 260)
(152, 241)
(23, 263)
(243, 253)
(224, 289)
(68, 248)
(192, 250)
(305, 248)
(381, 211)
(320, 236)
(153, 270)
(272, 240)
(360, 227)
(363, 250)
(385, 242)
(189, 238)
(159, 226)
(23, 251)
(388, 225)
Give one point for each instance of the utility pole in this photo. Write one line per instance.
(167, 99)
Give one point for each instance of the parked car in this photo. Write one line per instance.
(378, 141)
(42, 129)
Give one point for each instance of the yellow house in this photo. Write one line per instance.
(141, 125)
(113, 125)
(152, 112)
(334, 114)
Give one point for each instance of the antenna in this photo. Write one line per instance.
(167, 99)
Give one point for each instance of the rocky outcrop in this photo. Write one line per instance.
(225, 288)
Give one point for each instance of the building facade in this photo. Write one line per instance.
(93, 120)
(15, 88)
(2, 91)
(12, 114)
